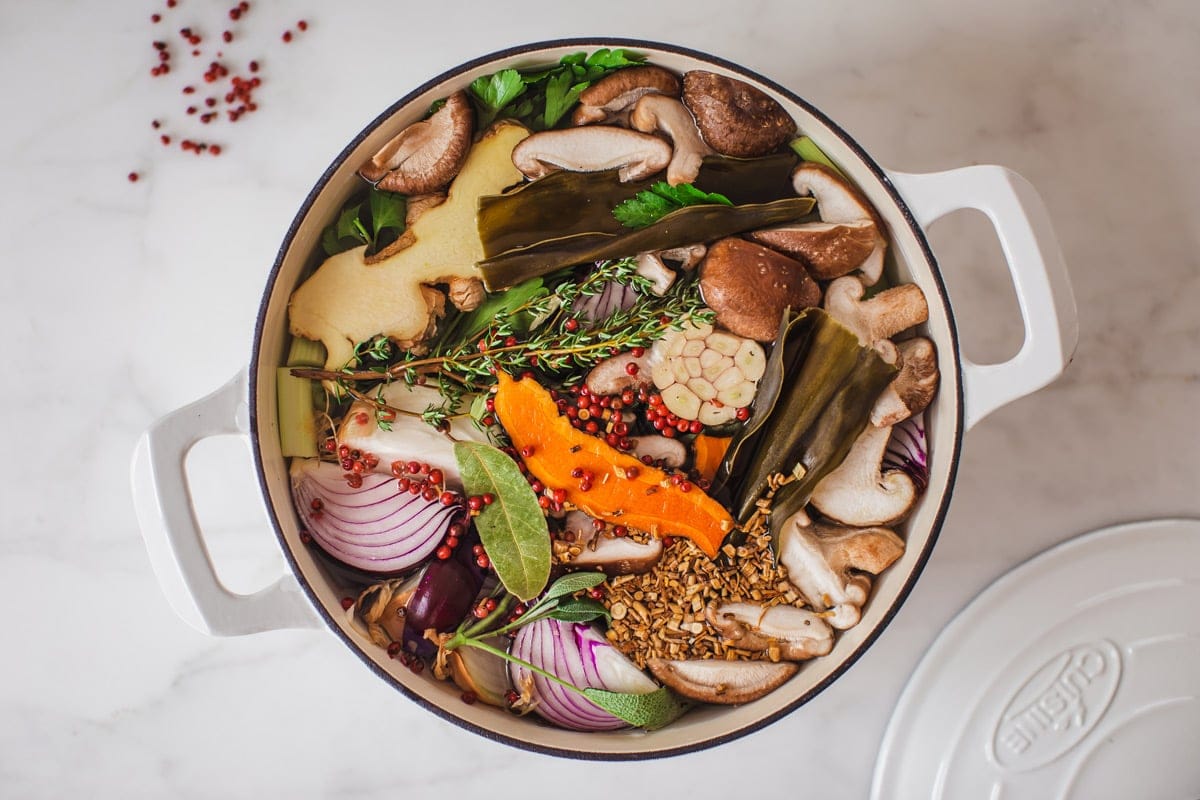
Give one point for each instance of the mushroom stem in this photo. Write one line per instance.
(858, 492)
(668, 115)
(819, 559)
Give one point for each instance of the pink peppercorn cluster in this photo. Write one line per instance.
(233, 102)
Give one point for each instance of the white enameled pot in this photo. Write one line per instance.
(309, 596)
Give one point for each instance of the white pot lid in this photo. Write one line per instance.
(1076, 675)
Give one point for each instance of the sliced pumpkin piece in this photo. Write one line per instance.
(621, 489)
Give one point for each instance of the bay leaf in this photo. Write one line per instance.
(513, 529)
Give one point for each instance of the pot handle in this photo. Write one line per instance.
(1039, 276)
(167, 517)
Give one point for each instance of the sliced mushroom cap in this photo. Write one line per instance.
(829, 249)
(787, 632)
(592, 149)
(668, 115)
(749, 286)
(837, 200)
(720, 681)
(611, 97)
(913, 389)
(882, 316)
(819, 558)
(858, 493)
(660, 449)
(735, 118)
(612, 375)
(426, 155)
(839, 203)
(619, 555)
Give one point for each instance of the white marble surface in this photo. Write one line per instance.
(123, 301)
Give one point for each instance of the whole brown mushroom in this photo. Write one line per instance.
(735, 118)
(749, 286)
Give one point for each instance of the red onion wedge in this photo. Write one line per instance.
(908, 451)
(372, 528)
(580, 655)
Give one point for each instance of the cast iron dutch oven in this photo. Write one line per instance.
(308, 596)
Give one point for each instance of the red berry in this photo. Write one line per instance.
(443, 553)
(631, 368)
(133, 177)
(572, 325)
(347, 602)
(448, 498)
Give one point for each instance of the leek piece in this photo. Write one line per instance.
(306, 353)
(807, 149)
(297, 417)
(685, 226)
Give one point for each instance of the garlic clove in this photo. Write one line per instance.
(661, 374)
(751, 360)
(724, 343)
(737, 396)
(702, 388)
(681, 401)
(713, 415)
(728, 379)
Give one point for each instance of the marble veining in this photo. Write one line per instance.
(121, 302)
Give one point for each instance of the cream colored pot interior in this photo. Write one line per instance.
(704, 726)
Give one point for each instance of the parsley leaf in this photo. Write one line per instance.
(540, 97)
(650, 205)
(376, 223)
(494, 92)
(561, 96)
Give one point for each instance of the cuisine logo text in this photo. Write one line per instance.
(1056, 707)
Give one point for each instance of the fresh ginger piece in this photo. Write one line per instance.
(347, 301)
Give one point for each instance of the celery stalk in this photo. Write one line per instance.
(306, 353)
(807, 149)
(297, 421)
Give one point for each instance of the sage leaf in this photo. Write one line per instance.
(650, 711)
(513, 529)
(572, 583)
(579, 609)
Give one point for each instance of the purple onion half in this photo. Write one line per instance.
(373, 527)
(907, 450)
(580, 655)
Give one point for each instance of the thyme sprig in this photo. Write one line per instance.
(554, 343)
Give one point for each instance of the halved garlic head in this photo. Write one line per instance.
(705, 374)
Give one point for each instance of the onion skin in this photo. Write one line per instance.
(580, 655)
(372, 528)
